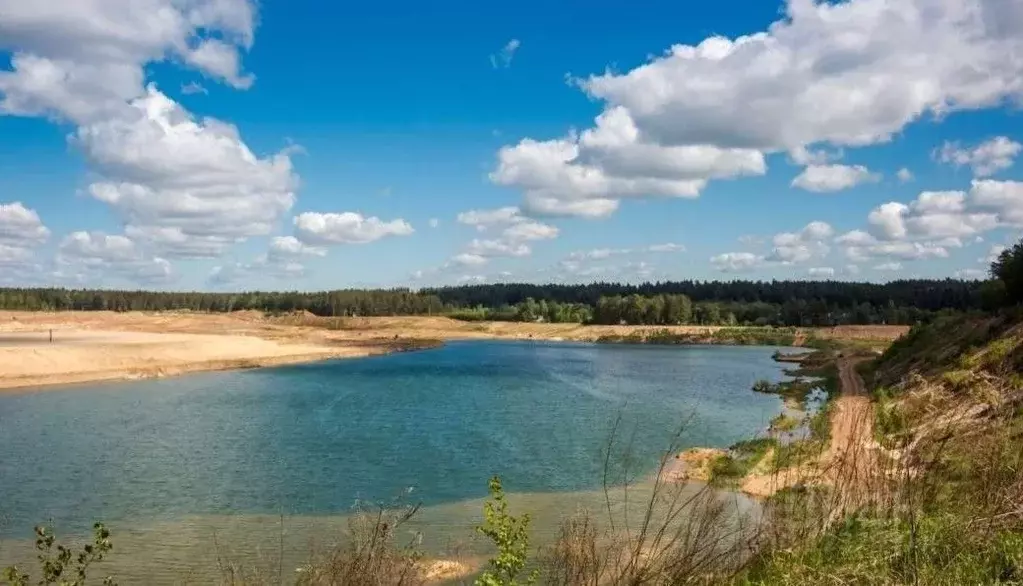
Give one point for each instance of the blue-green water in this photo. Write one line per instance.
(311, 440)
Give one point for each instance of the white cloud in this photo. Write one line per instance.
(283, 248)
(20, 227)
(597, 253)
(845, 73)
(827, 74)
(971, 274)
(529, 230)
(221, 61)
(492, 248)
(586, 174)
(735, 262)
(165, 170)
(804, 157)
(985, 159)
(467, 279)
(821, 272)
(235, 273)
(513, 238)
(467, 259)
(346, 228)
(799, 247)
(506, 55)
(85, 60)
(433, 222)
(484, 219)
(904, 175)
(97, 255)
(888, 266)
(666, 247)
(992, 254)
(185, 187)
(828, 178)
(193, 88)
(851, 270)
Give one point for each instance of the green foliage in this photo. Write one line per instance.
(63, 567)
(1008, 268)
(743, 456)
(352, 302)
(789, 303)
(511, 536)
(783, 423)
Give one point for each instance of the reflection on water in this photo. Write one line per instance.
(168, 464)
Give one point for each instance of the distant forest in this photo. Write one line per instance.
(783, 303)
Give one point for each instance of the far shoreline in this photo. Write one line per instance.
(111, 347)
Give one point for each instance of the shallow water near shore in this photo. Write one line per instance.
(166, 464)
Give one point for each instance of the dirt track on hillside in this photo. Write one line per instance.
(850, 459)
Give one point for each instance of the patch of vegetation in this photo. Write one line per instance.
(796, 391)
(741, 458)
(61, 565)
(783, 423)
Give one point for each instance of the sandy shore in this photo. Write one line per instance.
(97, 346)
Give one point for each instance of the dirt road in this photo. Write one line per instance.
(850, 461)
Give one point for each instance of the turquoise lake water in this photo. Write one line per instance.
(165, 460)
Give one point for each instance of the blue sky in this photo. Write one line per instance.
(221, 144)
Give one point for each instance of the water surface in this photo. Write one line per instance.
(312, 440)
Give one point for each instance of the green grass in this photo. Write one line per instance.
(741, 458)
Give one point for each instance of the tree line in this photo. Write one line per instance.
(351, 302)
(782, 303)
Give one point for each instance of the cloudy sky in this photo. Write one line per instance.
(221, 144)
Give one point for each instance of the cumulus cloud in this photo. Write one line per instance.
(987, 158)
(233, 274)
(84, 61)
(484, 219)
(316, 228)
(736, 262)
(799, 247)
(805, 68)
(21, 226)
(506, 55)
(888, 266)
(185, 187)
(666, 247)
(283, 248)
(971, 274)
(193, 88)
(904, 175)
(21, 232)
(831, 74)
(992, 254)
(164, 170)
(511, 242)
(433, 222)
(98, 255)
(468, 259)
(804, 157)
(821, 272)
(586, 174)
(828, 178)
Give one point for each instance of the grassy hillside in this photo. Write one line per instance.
(945, 502)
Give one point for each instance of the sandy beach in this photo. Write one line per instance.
(98, 346)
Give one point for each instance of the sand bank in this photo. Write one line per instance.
(102, 345)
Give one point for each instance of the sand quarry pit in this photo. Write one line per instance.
(97, 346)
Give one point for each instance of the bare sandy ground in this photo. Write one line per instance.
(95, 346)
